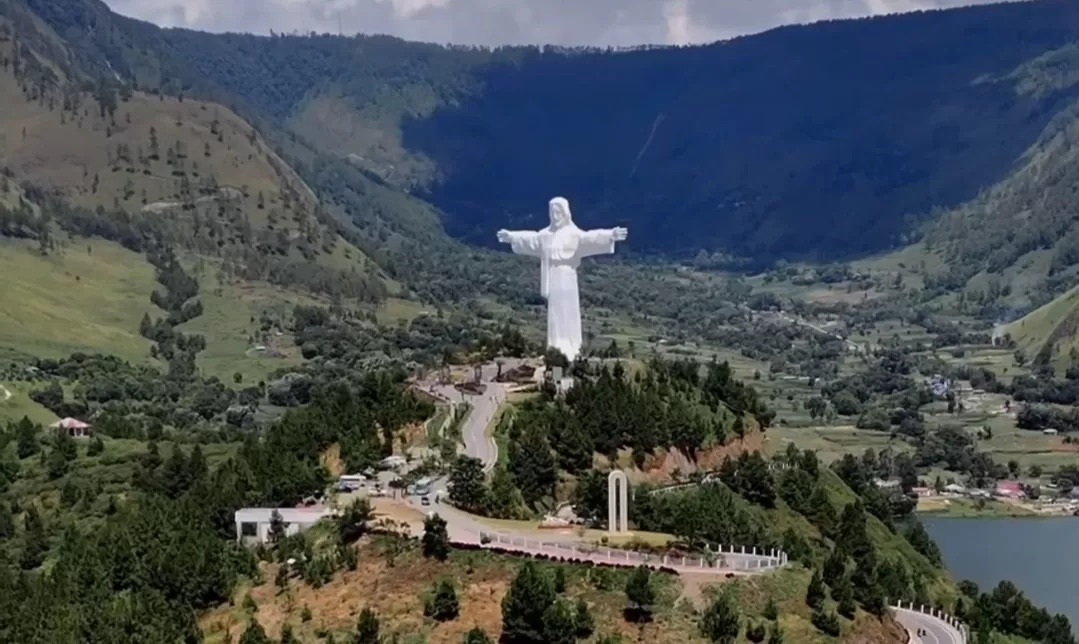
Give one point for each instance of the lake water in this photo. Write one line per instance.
(1038, 555)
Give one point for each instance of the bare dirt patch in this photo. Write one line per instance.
(660, 467)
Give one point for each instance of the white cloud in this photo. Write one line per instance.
(492, 22)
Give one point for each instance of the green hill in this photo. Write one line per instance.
(1050, 332)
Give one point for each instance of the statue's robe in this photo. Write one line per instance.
(560, 252)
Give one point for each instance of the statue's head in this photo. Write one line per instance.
(558, 210)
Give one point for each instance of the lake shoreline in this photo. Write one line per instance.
(1033, 554)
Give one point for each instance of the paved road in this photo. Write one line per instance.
(474, 429)
(465, 527)
(936, 630)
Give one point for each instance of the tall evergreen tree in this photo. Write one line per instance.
(524, 606)
(442, 605)
(720, 622)
(255, 634)
(367, 627)
(640, 594)
(26, 438)
(559, 625)
(468, 489)
(815, 593)
(436, 539)
(583, 621)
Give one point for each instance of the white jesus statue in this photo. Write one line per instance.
(560, 248)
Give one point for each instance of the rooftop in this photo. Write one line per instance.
(288, 515)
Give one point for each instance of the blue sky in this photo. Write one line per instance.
(493, 22)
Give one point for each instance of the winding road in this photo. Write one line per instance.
(6, 394)
(464, 527)
(935, 630)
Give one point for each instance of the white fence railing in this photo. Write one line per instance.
(721, 562)
(953, 622)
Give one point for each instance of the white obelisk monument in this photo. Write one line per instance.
(560, 248)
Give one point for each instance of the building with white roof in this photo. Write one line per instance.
(253, 524)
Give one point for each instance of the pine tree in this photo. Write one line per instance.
(771, 611)
(776, 636)
(26, 439)
(532, 465)
(559, 580)
(524, 605)
(96, 446)
(843, 593)
(923, 543)
(815, 593)
(352, 523)
(69, 494)
(583, 621)
(35, 542)
(822, 512)
(477, 636)
(175, 478)
(720, 622)
(436, 540)
(442, 605)
(367, 628)
(287, 636)
(7, 522)
(56, 465)
(559, 625)
(254, 634)
(641, 594)
(197, 470)
(468, 489)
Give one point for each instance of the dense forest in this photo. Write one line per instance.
(757, 144)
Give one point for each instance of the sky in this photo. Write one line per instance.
(495, 22)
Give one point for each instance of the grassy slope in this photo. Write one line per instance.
(19, 404)
(1052, 322)
(231, 313)
(395, 593)
(46, 311)
(90, 297)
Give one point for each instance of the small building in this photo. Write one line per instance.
(955, 488)
(886, 484)
(1050, 432)
(74, 427)
(1009, 489)
(253, 524)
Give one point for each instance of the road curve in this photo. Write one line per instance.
(935, 630)
(6, 393)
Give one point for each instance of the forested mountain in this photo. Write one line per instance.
(821, 141)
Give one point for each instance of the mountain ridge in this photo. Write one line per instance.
(877, 140)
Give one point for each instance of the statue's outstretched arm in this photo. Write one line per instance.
(523, 242)
(600, 241)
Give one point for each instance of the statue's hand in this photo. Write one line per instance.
(620, 234)
(504, 236)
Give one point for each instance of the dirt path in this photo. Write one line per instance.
(5, 394)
